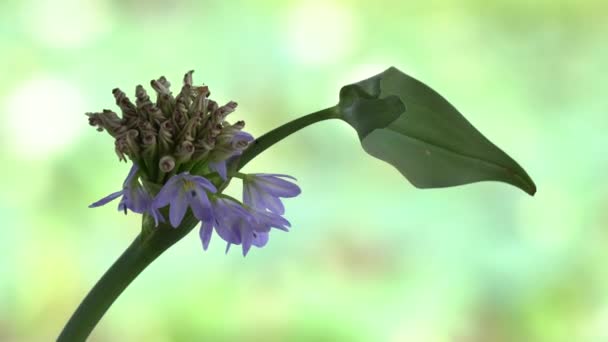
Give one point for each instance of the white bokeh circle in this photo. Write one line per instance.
(44, 116)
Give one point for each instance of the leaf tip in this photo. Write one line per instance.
(521, 179)
(530, 187)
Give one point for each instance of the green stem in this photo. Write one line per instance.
(279, 133)
(152, 242)
(146, 247)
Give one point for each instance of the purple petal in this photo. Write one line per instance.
(204, 182)
(277, 186)
(277, 221)
(107, 199)
(223, 222)
(273, 175)
(245, 226)
(130, 176)
(226, 233)
(233, 222)
(247, 197)
(177, 210)
(260, 239)
(252, 196)
(201, 207)
(273, 204)
(242, 136)
(137, 199)
(238, 138)
(265, 220)
(257, 198)
(205, 234)
(220, 168)
(237, 210)
(247, 239)
(168, 193)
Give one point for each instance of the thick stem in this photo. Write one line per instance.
(146, 247)
(279, 133)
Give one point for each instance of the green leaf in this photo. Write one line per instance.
(407, 124)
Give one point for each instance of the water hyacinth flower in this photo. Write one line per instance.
(176, 145)
(232, 222)
(183, 191)
(236, 224)
(264, 191)
(134, 197)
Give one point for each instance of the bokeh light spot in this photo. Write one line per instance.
(65, 23)
(319, 32)
(44, 116)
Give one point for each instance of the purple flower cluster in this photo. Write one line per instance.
(180, 143)
(246, 224)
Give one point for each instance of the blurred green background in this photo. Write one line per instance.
(369, 258)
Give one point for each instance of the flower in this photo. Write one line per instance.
(232, 144)
(263, 191)
(238, 225)
(187, 132)
(232, 223)
(134, 197)
(182, 191)
(249, 224)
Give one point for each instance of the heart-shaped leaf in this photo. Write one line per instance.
(407, 124)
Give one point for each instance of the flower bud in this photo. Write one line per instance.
(120, 147)
(161, 85)
(166, 164)
(184, 152)
(132, 145)
(142, 97)
(188, 78)
(239, 125)
(107, 120)
(189, 129)
(129, 110)
(199, 105)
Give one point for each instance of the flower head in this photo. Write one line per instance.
(182, 191)
(189, 133)
(264, 191)
(181, 131)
